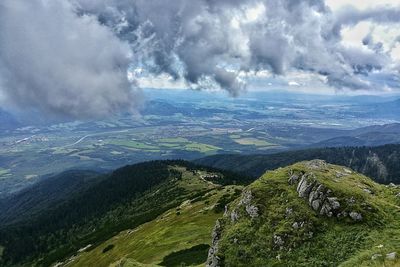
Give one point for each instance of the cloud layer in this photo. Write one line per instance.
(71, 57)
(221, 39)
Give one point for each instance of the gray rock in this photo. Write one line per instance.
(376, 256)
(351, 200)
(366, 190)
(278, 241)
(296, 225)
(316, 204)
(316, 164)
(252, 211)
(226, 211)
(212, 259)
(234, 216)
(398, 195)
(293, 179)
(288, 212)
(246, 198)
(305, 186)
(391, 256)
(347, 171)
(334, 203)
(355, 216)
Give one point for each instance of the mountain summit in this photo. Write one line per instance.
(309, 214)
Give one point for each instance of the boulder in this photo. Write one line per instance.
(391, 256)
(355, 216)
(376, 256)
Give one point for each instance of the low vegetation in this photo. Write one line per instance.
(310, 214)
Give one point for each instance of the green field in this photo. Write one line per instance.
(4, 173)
(253, 141)
(133, 145)
(174, 140)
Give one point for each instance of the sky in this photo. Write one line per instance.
(93, 58)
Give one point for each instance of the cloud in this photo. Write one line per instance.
(76, 50)
(60, 63)
(217, 39)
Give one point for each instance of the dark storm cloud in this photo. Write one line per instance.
(74, 59)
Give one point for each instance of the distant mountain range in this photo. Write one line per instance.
(380, 163)
(7, 121)
(374, 135)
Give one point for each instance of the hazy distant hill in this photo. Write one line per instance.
(375, 135)
(7, 121)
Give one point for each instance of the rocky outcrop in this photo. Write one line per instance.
(320, 198)
(213, 260)
(305, 185)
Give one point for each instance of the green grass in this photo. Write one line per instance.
(175, 231)
(174, 140)
(202, 148)
(187, 257)
(333, 242)
(133, 145)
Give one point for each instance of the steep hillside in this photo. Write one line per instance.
(40, 197)
(180, 236)
(380, 163)
(310, 214)
(122, 200)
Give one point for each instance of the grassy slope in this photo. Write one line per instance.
(333, 241)
(178, 229)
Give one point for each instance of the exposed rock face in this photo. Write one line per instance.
(213, 260)
(320, 198)
(305, 185)
(234, 216)
(251, 210)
